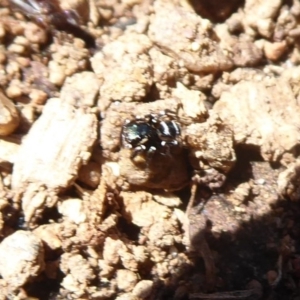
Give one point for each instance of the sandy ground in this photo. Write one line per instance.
(149, 149)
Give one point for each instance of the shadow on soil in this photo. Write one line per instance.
(259, 259)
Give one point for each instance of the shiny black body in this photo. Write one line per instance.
(150, 135)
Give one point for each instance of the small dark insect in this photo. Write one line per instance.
(47, 13)
(149, 135)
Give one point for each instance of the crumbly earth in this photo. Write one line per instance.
(214, 217)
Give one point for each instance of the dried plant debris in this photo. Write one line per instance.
(149, 149)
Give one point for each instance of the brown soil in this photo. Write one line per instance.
(90, 211)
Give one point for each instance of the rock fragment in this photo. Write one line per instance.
(51, 154)
(81, 89)
(184, 35)
(124, 69)
(260, 16)
(9, 117)
(78, 273)
(55, 147)
(211, 145)
(21, 258)
(193, 106)
(67, 59)
(289, 183)
(73, 210)
(264, 114)
(48, 233)
(141, 210)
(8, 150)
(126, 280)
(143, 289)
(274, 51)
(90, 174)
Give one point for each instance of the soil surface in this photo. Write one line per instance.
(149, 149)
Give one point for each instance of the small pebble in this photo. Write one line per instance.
(126, 280)
(143, 289)
(260, 181)
(272, 276)
(274, 51)
(38, 97)
(13, 91)
(21, 258)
